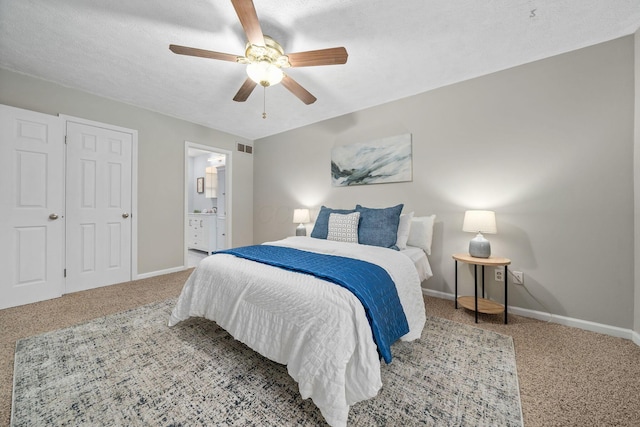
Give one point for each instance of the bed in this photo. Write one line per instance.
(318, 330)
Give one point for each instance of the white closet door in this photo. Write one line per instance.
(98, 237)
(31, 206)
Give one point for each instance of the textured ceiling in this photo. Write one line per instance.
(119, 49)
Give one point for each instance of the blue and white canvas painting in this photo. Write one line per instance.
(375, 162)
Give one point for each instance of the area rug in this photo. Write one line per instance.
(131, 369)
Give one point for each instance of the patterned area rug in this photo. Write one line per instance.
(131, 369)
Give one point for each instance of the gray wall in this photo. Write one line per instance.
(547, 145)
(636, 164)
(160, 163)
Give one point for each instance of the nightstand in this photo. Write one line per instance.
(481, 305)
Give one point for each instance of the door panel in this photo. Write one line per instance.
(98, 206)
(31, 189)
(30, 258)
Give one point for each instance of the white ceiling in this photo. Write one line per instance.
(119, 49)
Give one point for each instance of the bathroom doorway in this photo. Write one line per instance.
(207, 203)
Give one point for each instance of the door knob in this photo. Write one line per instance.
(53, 216)
(125, 215)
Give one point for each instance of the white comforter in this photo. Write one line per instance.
(316, 328)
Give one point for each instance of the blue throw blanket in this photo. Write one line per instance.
(370, 283)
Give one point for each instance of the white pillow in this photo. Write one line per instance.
(343, 227)
(403, 230)
(421, 232)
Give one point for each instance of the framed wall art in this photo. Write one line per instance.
(374, 162)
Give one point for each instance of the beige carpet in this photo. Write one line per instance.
(568, 377)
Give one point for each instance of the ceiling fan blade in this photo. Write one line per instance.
(245, 90)
(246, 12)
(332, 56)
(192, 51)
(295, 88)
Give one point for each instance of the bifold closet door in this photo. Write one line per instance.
(31, 206)
(98, 205)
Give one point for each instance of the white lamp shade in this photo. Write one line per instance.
(301, 216)
(264, 73)
(480, 222)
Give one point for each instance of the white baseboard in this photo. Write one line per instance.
(161, 272)
(437, 294)
(554, 318)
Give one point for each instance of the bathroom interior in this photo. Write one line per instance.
(206, 207)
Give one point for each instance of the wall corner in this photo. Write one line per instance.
(636, 183)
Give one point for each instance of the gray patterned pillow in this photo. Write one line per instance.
(344, 227)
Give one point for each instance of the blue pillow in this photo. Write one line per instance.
(321, 228)
(379, 227)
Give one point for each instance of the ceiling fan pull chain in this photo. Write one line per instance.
(264, 102)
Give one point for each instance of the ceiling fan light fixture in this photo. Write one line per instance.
(264, 73)
(265, 58)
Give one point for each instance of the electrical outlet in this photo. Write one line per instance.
(499, 271)
(518, 278)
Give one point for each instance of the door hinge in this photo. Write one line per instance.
(65, 139)
(65, 272)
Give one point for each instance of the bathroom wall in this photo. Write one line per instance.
(197, 168)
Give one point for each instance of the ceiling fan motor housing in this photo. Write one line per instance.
(271, 52)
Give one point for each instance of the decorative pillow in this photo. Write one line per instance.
(421, 233)
(379, 227)
(321, 227)
(403, 230)
(343, 227)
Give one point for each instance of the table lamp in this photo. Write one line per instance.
(480, 222)
(301, 217)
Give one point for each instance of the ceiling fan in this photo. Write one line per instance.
(265, 58)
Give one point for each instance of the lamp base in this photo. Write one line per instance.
(301, 230)
(479, 247)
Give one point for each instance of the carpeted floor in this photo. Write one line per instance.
(131, 369)
(567, 376)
